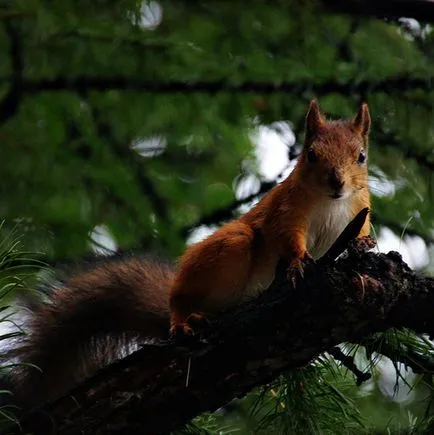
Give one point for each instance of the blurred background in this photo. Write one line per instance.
(140, 126)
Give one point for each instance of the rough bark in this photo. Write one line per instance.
(162, 386)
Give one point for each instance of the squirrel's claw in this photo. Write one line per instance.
(297, 266)
(185, 328)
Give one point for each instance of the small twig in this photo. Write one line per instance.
(348, 362)
(188, 373)
(226, 213)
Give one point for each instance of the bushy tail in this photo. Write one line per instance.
(92, 319)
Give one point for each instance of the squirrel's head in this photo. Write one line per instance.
(335, 153)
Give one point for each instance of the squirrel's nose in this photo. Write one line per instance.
(335, 180)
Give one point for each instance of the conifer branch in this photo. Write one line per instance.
(419, 362)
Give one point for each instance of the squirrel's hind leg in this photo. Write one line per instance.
(212, 275)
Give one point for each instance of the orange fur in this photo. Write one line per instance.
(299, 218)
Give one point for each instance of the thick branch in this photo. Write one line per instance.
(161, 387)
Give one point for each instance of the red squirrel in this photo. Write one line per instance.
(93, 317)
(298, 219)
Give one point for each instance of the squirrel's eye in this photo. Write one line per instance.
(311, 156)
(362, 157)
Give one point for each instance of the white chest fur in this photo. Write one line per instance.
(326, 223)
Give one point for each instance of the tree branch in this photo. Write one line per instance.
(129, 157)
(11, 101)
(228, 212)
(349, 363)
(81, 84)
(162, 386)
(419, 9)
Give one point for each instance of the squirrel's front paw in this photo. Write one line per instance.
(297, 266)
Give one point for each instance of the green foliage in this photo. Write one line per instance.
(316, 399)
(137, 116)
(17, 273)
(97, 80)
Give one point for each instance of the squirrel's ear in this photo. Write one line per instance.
(362, 121)
(314, 118)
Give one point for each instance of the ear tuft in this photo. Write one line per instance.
(314, 118)
(362, 121)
